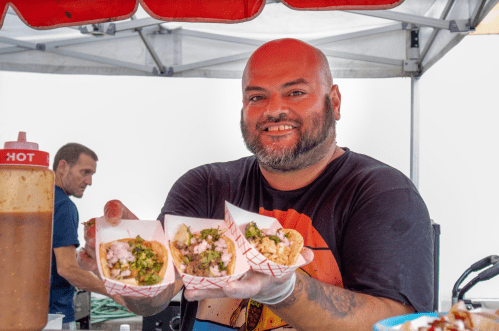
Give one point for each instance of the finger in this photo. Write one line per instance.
(119, 300)
(196, 295)
(90, 242)
(246, 287)
(89, 229)
(85, 261)
(115, 211)
(90, 251)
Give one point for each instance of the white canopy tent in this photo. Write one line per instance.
(401, 42)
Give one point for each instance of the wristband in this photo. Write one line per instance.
(279, 294)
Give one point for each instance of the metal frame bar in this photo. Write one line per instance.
(220, 60)
(83, 40)
(14, 49)
(477, 12)
(358, 34)
(415, 132)
(132, 25)
(18, 43)
(216, 36)
(23, 46)
(365, 58)
(101, 59)
(407, 18)
(434, 33)
(159, 65)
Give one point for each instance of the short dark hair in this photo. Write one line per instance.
(71, 153)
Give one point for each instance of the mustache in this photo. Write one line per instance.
(276, 119)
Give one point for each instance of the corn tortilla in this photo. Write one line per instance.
(157, 248)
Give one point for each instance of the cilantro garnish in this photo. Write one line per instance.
(275, 238)
(252, 231)
(214, 233)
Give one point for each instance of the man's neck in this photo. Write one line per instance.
(293, 180)
(58, 182)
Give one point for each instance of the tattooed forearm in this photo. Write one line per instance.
(299, 288)
(314, 305)
(337, 301)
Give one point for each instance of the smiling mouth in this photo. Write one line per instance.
(279, 128)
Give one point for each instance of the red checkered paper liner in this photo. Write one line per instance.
(147, 230)
(172, 224)
(237, 219)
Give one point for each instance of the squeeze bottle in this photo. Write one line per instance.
(26, 221)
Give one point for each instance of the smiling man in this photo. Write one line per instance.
(367, 225)
(74, 166)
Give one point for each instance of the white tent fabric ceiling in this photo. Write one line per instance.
(359, 44)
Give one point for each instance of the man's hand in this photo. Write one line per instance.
(114, 212)
(119, 300)
(255, 285)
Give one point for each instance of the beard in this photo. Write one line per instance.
(311, 147)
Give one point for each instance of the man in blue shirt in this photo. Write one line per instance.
(74, 165)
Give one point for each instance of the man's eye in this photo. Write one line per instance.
(255, 98)
(296, 93)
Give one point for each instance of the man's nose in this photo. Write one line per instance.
(275, 107)
(88, 180)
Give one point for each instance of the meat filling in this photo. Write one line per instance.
(206, 256)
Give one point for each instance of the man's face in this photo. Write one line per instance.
(76, 178)
(309, 147)
(287, 119)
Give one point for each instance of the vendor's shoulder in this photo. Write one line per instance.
(234, 166)
(369, 168)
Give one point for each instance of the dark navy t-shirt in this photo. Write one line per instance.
(65, 234)
(364, 220)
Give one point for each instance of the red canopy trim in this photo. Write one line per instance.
(49, 14)
(342, 4)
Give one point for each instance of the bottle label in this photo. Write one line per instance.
(24, 157)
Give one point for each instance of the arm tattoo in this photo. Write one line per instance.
(338, 301)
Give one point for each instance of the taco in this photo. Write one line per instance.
(282, 247)
(204, 254)
(134, 261)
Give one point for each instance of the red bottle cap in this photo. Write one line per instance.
(22, 152)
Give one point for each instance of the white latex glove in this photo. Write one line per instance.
(260, 287)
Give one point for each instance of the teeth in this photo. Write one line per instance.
(280, 128)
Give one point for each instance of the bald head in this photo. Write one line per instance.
(280, 52)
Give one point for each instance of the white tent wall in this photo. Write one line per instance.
(148, 131)
(458, 160)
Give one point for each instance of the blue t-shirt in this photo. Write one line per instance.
(65, 234)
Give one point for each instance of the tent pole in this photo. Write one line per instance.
(415, 130)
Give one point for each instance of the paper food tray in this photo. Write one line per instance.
(172, 223)
(148, 230)
(237, 219)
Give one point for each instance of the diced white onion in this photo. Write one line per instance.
(214, 270)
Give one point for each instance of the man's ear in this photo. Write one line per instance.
(63, 167)
(335, 96)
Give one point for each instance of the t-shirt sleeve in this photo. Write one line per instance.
(387, 248)
(65, 225)
(188, 196)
